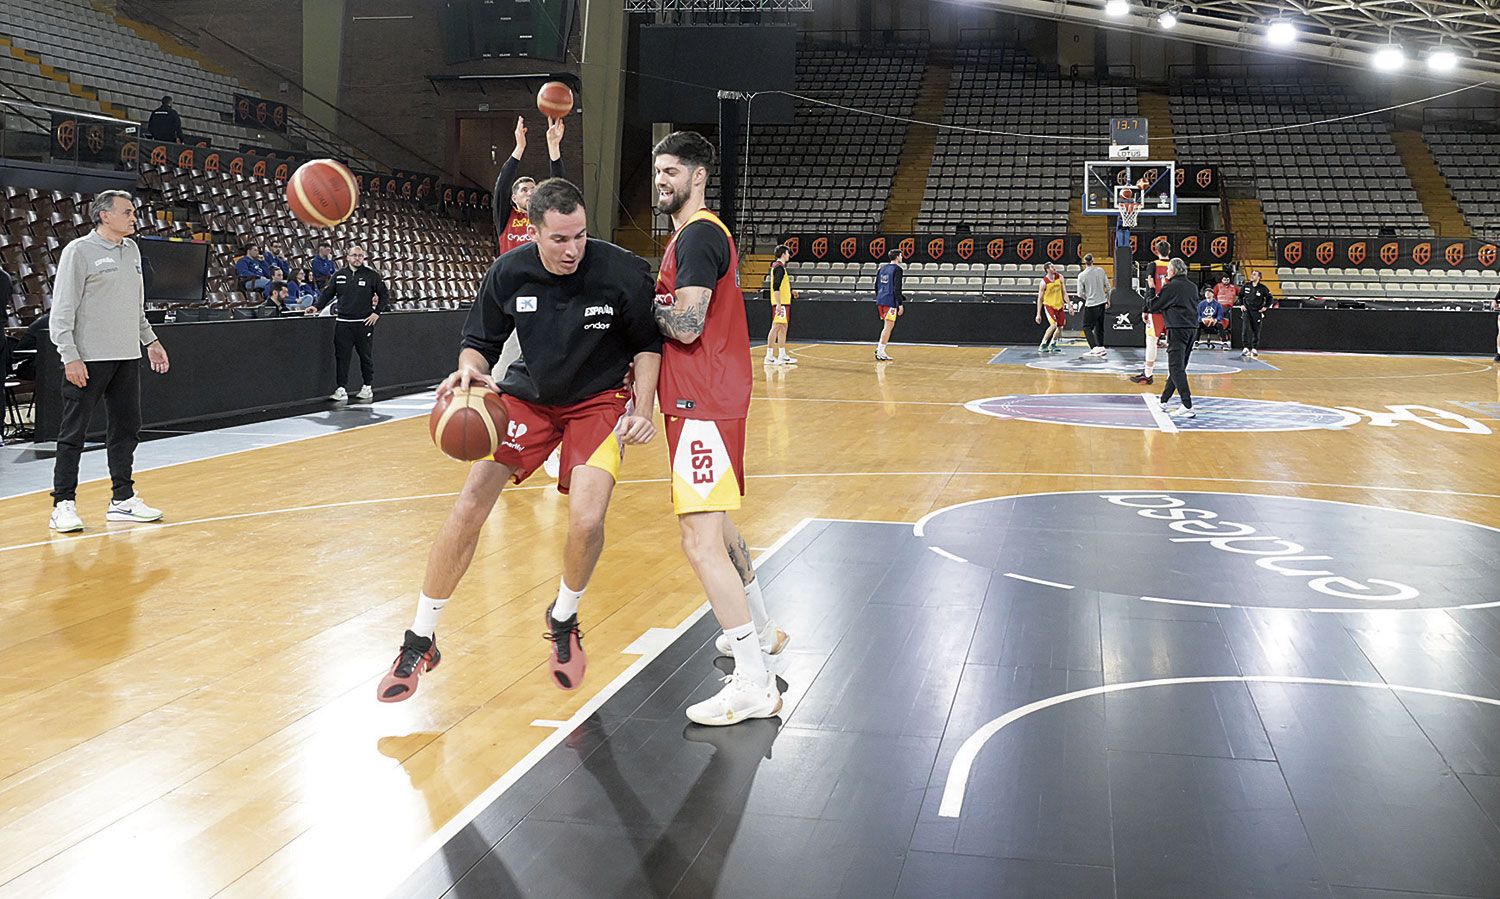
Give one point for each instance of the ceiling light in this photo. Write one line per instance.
(1390, 58)
(1168, 18)
(1442, 60)
(1281, 32)
(1116, 8)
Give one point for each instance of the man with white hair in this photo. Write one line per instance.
(99, 325)
(1177, 303)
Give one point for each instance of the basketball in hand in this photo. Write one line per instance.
(469, 423)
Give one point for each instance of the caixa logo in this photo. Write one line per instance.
(1272, 553)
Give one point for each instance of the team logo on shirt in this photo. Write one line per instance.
(604, 314)
(1357, 251)
(514, 431)
(1324, 252)
(1454, 254)
(528, 304)
(1421, 254)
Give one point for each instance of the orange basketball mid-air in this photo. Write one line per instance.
(469, 423)
(322, 193)
(554, 100)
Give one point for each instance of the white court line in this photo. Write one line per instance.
(433, 844)
(1164, 422)
(1037, 580)
(947, 555)
(963, 762)
(1214, 605)
(548, 722)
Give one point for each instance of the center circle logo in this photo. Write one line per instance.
(1226, 550)
(1133, 411)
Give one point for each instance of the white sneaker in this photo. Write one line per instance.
(786, 360)
(65, 518)
(770, 360)
(1182, 412)
(339, 396)
(553, 465)
(772, 640)
(882, 356)
(740, 700)
(133, 509)
(366, 393)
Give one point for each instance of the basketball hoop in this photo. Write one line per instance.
(1128, 207)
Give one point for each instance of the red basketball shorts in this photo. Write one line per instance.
(708, 464)
(585, 429)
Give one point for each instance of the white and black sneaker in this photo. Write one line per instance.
(339, 396)
(65, 518)
(366, 394)
(772, 640)
(741, 700)
(1182, 412)
(133, 509)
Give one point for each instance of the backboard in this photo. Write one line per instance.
(1101, 178)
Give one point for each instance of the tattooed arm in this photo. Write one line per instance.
(683, 320)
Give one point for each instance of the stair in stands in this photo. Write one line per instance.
(907, 187)
(1252, 246)
(753, 270)
(1157, 110)
(1096, 232)
(62, 77)
(1432, 189)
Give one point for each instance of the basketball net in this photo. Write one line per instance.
(1130, 213)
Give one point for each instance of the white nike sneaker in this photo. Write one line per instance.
(133, 509)
(740, 700)
(786, 360)
(65, 518)
(772, 640)
(366, 393)
(339, 396)
(1182, 412)
(553, 465)
(770, 360)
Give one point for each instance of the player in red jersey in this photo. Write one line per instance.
(1158, 273)
(512, 194)
(705, 395)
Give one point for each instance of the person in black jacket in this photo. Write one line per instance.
(165, 123)
(1256, 299)
(512, 194)
(362, 296)
(1178, 304)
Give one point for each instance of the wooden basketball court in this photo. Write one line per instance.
(191, 705)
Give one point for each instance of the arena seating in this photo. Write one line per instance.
(1364, 284)
(999, 183)
(131, 78)
(832, 169)
(1344, 177)
(1467, 157)
(923, 278)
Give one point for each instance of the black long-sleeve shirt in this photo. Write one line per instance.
(1255, 297)
(578, 333)
(500, 199)
(164, 124)
(1177, 302)
(360, 291)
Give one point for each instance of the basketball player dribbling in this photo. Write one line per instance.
(1156, 325)
(705, 396)
(583, 310)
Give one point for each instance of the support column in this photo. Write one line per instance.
(605, 28)
(322, 57)
(730, 113)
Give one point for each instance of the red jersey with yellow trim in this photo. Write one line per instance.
(1160, 272)
(710, 377)
(514, 234)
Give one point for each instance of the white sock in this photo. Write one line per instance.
(567, 602)
(428, 611)
(757, 603)
(880, 347)
(748, 662)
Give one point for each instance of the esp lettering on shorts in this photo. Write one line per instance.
(702, 462)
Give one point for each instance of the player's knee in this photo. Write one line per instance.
(699, 542)
(588, 526)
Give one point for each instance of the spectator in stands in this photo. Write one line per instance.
(303, 291)
(1256, 300)
(279, 295)
(1175, 303)
(889, 300)
(510, 224)
(251, 270)
(99, 325)
(781, 307)
(362, 295)
(1093, 286)
(323, 265)
(275, 261)
(1225, 292)
(1051, 302)
(1211, 316)
(165, 123)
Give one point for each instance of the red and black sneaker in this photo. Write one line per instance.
(417, 654)
(568, 660)
(1142, 378)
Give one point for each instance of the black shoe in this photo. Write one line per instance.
(1142, 379)
(417, 654)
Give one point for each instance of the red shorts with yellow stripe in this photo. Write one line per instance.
(585, 429)
(708, 464)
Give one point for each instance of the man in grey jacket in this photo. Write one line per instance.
(99, 325)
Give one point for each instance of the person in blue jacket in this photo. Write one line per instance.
(251, 270)
(889, 299)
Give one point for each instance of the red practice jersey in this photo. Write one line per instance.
(514, 234)
(710, 377)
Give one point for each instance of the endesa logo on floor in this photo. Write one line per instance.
(978, 249)
(1389, 254)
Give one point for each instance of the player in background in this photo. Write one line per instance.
(1157, 274)
(889, 300)
(781, 308)
(705, 396)
(1051, 301)
(1093, 287)
(583, 310)
(1257, 299)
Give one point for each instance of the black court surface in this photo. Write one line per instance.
(1142, 694)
